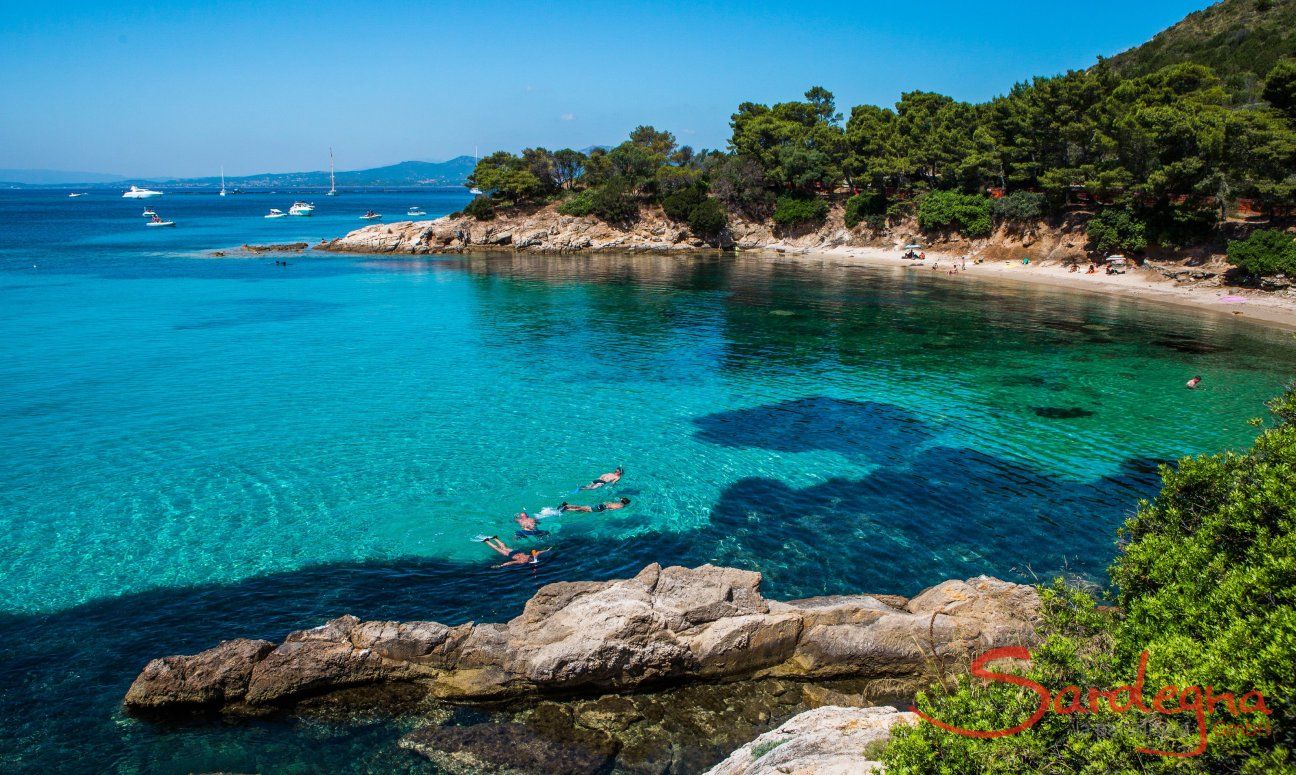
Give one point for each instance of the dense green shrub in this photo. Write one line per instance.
(1265, 252)
(614, 202)
(1019, 207)
(580, 205)
(481, 208)
(708, 219)
(966, 213)
(861, 206)
(1207, 586)
(1117, 229)
(793, 210)
(680, 204)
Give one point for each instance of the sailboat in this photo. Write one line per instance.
(332, 185)
(222, 191)
(474, 190)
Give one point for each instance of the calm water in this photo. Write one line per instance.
(198, 448)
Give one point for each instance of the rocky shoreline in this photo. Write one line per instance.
(624, 639)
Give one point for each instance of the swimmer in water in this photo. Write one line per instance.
(515, 556)
(1193, 383)
(611, 478)
(529, 526)
(609, 506)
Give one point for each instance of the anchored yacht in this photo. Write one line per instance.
(136, 192)
(301, 208)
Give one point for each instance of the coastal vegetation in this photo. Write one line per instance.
(1206, 586)
(1157, 146)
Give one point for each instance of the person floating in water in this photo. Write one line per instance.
(530, 528)
(611, 478)
(1193, 383)
(597, 507)
(515, 556)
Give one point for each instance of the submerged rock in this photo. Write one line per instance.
(664, 626)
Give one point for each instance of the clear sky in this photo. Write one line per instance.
(181, 87)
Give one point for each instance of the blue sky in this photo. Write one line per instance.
(178, 88)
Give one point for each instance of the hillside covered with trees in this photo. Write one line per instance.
(1156, 147)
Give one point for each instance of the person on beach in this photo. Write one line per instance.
(1193, 383)
(529, 527)
(516, 556)
(610, 478)
(1093, 269)
(596, 508)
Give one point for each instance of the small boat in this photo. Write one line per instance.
(276, 213)
(159, 222)
(74, 196)
(371, 216)
(475, 191)
(301, 208)
(332, 183)
(136, 192)
(148, 213)
(222, 191)
(415, 211)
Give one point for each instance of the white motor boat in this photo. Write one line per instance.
(276, 213)
(74, 196)
(371, 216)
(136, 192)
(148, 213)
(475, 191)
(159, 222)
(301, 208)
(415, 211)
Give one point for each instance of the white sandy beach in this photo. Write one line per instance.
(1139, 282)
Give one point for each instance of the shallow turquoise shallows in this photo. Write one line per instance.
(198, 447)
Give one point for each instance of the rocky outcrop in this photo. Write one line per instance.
(665, 625)
(823, 741)
(545, 230)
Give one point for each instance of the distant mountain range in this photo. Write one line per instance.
(54, 177)
(407, 173)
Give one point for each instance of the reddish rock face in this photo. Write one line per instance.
(664, 625)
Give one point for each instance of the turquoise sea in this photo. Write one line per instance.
(198, 448)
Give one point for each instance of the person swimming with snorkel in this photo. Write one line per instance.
(597, 507)
(609, 478)
(529, 526)
(516, 556)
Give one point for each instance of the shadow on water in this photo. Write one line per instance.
(962, 513)
(817, 423)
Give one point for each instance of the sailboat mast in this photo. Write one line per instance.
(332, 184)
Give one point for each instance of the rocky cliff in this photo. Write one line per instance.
(545, 230)
(665, 626)
(823, 741)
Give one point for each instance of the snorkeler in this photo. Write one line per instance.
(529, 526)
(1193, 383)
(611, 478)
(516, 556)
(597, 507)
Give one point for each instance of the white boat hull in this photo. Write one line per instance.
(160, 223)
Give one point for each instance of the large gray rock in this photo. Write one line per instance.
(664, 625)
(823, 741)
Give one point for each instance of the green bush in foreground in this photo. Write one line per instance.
(1117, 229)
(612, 202)
(1019, 207)
(1265, 252)
(966, 213)
(792, 211)
(1207, 587)
(481, 208)
(708, 219)
(861, 206)
(679, 205)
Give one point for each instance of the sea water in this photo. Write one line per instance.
(199, 447)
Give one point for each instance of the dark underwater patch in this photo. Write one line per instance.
(868, 429)
(1061, 412)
